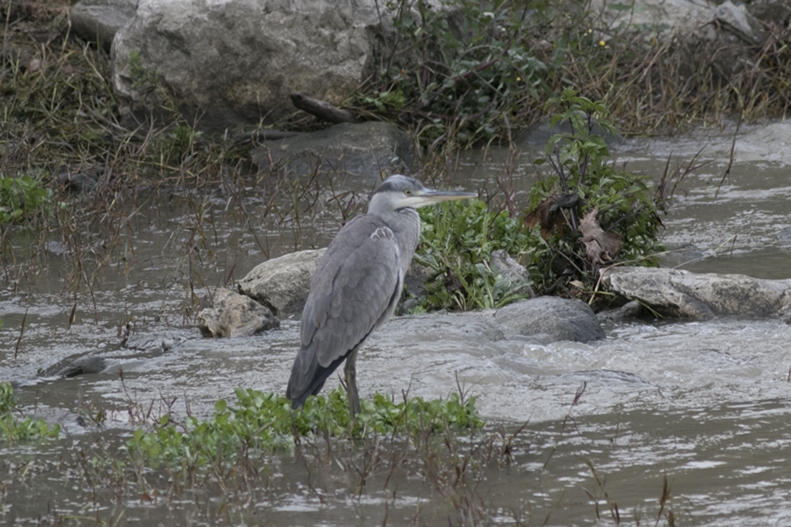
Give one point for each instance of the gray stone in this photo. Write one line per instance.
(228, 65)
(82, 366)
(784, 237)
(692, 27)
(629, 310)
(548, 319)
(675, 256)
(538, 134)
(675, 293)
(741, 22)
(235, 315)
(366, 149)
(770, 11)
(282, 284)
(100, 20)
(502, 263)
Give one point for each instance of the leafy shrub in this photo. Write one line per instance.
(460, 73)
(583, 173)
(458, 239)
(456, 244)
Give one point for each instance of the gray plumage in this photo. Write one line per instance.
(357, 284)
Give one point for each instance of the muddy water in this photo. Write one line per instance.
(704, 404)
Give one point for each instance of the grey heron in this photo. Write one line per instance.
(357, 284)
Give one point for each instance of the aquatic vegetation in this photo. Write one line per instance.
(263, 422)
(26, 428)
(22, 197)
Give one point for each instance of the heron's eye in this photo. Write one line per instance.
(408, 192)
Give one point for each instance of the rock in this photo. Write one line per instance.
(76, 365)
(741, 23)
(693, 28)
(784, 237)
(550, 319)
(627, 311)
(770, 11)
(282, 284)
(676, 256)
(84, 366)
(235, 315)
(538, 134)
(229, 65)
(78, 180)
(99, 20)
(502, 263)
(365, 149)
(675, 293)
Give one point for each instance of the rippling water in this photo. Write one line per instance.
(704, 404)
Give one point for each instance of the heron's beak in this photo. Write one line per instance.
(431, 196)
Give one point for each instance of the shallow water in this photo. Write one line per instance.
(705, 403)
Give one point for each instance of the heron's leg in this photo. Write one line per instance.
(350, 371)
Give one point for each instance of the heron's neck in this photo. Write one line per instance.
(405, 224)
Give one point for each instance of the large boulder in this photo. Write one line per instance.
(695, 30)
(365, 149)
(234, 64)
(548, 319)
(282, 284)
(674, 293)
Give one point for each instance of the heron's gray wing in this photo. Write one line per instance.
(353, 289)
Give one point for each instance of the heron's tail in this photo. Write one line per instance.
(308, 376)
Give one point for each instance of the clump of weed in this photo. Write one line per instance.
(263, 422)
(22, 197)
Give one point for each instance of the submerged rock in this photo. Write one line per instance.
(77, 365)
(549, 319)
(282, 284)
(235, 315)
(674, 293)
(365, 149)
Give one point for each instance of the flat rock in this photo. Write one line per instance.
(282, 284)
(682, 294)
(549, 319)
(364, 149)
(235, 315)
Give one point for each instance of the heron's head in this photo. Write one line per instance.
(398, 192)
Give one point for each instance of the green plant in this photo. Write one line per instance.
(457, 242)
(24, 429)
(22, 197)
(265, 422)
(590, 212)
(460, 72)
